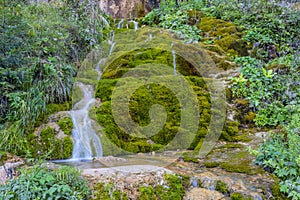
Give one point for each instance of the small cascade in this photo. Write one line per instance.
(111, 37)
(136, 24)
(87, 144)
(174, 60)
(120, 24)
(111, 48)
(101, 61)
(150, 36)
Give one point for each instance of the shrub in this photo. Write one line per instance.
(41, 183)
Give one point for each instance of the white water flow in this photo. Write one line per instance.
(174, 61)
(136, 24)
(111, 38)
(87, 143)
(120, 24)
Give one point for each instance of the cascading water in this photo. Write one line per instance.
(174, 60)
(87, 143)
(111, 42)
(136, 24)
(120, 24)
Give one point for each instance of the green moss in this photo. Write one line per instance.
(67, 147)
(47, 136)
(230, 129)
(231, 145)
(221, 187)
(52, 108)
(241, 138)
(190, 159)
(239, 162)
(237, 196)
(147, 193)
(107, 192)
(248, 118)
(208, 24)
(174, 189)
(226, 41)
(226, 35)
(215, 49)
(211, 164)
(148, 95)
(76, 94)
(275, 188)
(66, 125)
(196, 14)
(53, 147)
(3, 156)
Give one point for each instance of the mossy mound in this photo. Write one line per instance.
(223, 34)
(52, 140)
(66, 125)
(49, 145)
(148, 95)
(56, 148)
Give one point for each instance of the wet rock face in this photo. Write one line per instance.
(126, 8)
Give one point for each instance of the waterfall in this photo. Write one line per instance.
(136, 24)
(150, 36)
(102, 60)
(87, 143)
(120, 24)
(174, 61)
(111, 48)
(111, 37)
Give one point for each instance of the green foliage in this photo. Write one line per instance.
(211, 164)
(174, 19)
(3, 156)
(221, 187)
(66, 125)
(273, 95)
(143, 98)
(266, 22)
(280, 155)
(107, 192)
(172, 190)
(41, 183)
(236, 196)
(40, 44)
(53, 147)
(270, 83)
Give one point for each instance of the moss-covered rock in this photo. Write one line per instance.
(143, 98)
(236, 196)
(66, 125)
(48, 144)
(223, 34)
(244, 114)
(221, 187)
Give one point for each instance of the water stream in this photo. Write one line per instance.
(111, 38)
(174, 61)
(120, 24)
(136, 24)
(87, 144)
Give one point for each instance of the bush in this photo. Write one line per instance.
(41, 183)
